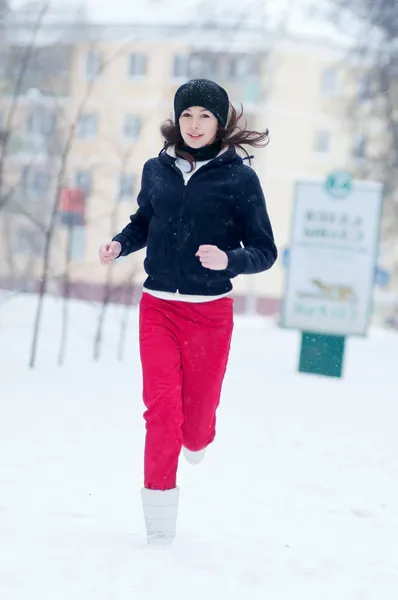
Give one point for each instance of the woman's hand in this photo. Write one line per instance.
(108, 252)
(212, 258)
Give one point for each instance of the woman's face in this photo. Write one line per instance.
(198, 127)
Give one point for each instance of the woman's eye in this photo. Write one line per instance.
(186, 115)
(206, 116)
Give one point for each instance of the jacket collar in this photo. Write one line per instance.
(226, 156)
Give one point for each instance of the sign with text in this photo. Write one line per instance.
(333, 255)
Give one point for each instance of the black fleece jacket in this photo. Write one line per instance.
(222, 204)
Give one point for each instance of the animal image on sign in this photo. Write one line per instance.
(336, 292)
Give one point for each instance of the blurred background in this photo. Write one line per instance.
(84, 90)
(298, 497)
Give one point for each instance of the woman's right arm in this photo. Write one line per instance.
(135, 235)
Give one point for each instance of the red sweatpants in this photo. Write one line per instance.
(184, 351)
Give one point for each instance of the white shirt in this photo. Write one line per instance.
(185, 167)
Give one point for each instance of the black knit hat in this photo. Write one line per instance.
(202, 92)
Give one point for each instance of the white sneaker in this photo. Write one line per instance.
(160, 513)
(194, 457)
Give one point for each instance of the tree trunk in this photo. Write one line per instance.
(125, 318)
(101, 319)
(65, 299)
(107, 290)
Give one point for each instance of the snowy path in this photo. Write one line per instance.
(298, 498)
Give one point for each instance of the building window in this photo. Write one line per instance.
(83, 181)
(253, 65)
(34, 181)
(232, 67)
(359, 147)
(3, 61)
(322, 142)
(364, 90)
(126, 186)
(205, 64)
(251, 90)
(87, 126)
(181, 66)
(77, 242)
(195, 65)
(29, 241)
(93, 65)
(40, 121)
(329, 82)
(137, 65)
(3, 125)
(241, 65)
(211, 65)
(132, 127)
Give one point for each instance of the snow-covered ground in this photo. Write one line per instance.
(297, 499)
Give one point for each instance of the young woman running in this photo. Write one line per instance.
(203, 220)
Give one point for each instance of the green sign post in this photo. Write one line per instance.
(322, 354)
(330, 275)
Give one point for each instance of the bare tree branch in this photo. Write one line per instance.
(376, 53)
(26, 57)
(124, 323)
(108, 288)
(53, 219)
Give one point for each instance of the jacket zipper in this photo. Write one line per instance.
(177, 265)
(185, 185)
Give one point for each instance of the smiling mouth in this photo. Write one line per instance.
(194, 136)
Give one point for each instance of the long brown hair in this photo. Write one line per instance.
(233, 135)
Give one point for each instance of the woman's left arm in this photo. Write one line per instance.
(259, 252)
